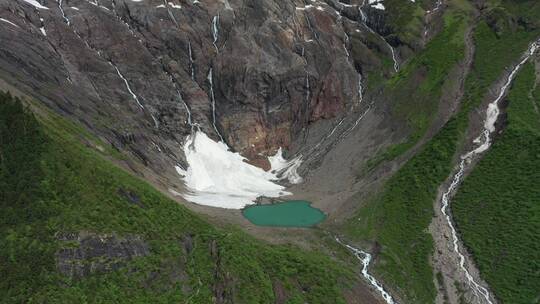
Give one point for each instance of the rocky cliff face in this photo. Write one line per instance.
(87, 253)
(142, 74)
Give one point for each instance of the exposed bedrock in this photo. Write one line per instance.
(136, 73)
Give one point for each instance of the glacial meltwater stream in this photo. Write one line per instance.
(480, 145)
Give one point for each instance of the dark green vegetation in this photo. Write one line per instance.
(405, 19)
(497, 208)
(416, 88)
(50, 183)
(397, 217)
(285, 214)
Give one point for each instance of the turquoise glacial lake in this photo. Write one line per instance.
(284, 214)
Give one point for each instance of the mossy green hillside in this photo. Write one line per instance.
(416, 90)
(50, 182)
(397, 218)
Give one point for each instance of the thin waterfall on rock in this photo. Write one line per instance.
(315, 150)
(128, 87)
(364, 19)
(360, 89)
(127, 84)
(191, 62)
(189, 121)
(215, 31)
(62, 12)
(179, 94)
(308, 88)
(356, 122)
(346, 43)
(213, 99)
(171, 15)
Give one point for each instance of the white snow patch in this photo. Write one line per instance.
(160, 6)
(7, 21)
(285, 169)
(42, 30)
(305, 7)
(174, 5)
(35, 4)
(74, 8)
(377, 4)
(218, 177)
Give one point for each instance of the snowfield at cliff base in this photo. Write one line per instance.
(218, 177)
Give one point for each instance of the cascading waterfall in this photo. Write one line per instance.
(44, 33)
(189, 121)
(475, 286)
(96, 3)
(191, 61)
(228, 5)
(313, 151)
(210, 80)
(363, 17)
(360, 89)
(356, 122)
(308, 88)
(345, 43)
(310, 26)
(346, 39)
(119, 18)
(365, 259)
(394, 58)
(62, 12)
(135, 97)
(127, 84)
(165, 4)
(307, 84)
(128, 87)
(215, 31)
(188, 110)
(438, 5)
(42, 26)
(482, 143)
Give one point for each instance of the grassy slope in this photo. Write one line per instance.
(405, 19)
(398, 217)
(417, 87)
(50, 182)
(497, 208)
